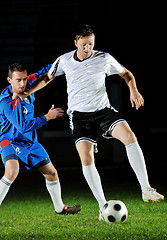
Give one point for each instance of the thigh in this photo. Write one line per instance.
(8, 152)
(123, 132)
(107, 119)
(86, 152)
(38, 156)
(84, 128)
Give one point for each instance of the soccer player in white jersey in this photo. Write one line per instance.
(89, 109)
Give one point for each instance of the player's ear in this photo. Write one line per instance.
(8, 79)
(75, 42)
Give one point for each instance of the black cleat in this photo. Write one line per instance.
(70, 210)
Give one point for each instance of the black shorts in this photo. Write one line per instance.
(85, 125)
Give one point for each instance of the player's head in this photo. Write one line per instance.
(17, 77)
(84, 41)
(83, 30)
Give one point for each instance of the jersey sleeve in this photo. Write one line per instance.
(13, 111)
(56, 68)
(31, 78)
(112, 65)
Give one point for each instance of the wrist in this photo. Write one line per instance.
(47, 117)
(133, 88)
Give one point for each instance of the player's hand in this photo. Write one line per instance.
(15, 96)
(22, 96)
(54, 113)
(136, 99)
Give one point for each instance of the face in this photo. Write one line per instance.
(85, 46)
(18, 81)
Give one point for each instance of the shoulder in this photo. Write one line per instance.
(102, 55)
(5, 103)
(5, 99)
(108, 56)
(61, 60)
(67, 56)
(97, 53)
(5, 95)
(110, 59)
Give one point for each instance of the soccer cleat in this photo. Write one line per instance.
(151, 195)
(70, 210)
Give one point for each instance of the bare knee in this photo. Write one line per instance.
(49, 172)
(11, 174)
(123, 132)
(11, 169)
(130, 138)
(86, 159)
(52, 175)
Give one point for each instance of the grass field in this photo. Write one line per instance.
(27, 212)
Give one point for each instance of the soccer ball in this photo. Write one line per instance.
(114, 211)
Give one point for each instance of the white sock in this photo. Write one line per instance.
(54, 190)
(93, 179)
(137, 162)
(4, 188)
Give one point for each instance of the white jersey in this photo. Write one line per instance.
(86, 80)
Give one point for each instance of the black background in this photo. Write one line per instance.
(37, 32)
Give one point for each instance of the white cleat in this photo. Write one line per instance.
(151, 195)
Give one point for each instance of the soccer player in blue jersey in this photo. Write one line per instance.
(18, 138)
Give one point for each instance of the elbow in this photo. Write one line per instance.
(126, 74)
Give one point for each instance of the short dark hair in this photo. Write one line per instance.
(83, 30)
(16, 67)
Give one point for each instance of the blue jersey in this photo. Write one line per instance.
(17, 122)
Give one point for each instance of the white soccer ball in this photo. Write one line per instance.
(114, 211)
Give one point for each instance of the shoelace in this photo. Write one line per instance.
(152, 190)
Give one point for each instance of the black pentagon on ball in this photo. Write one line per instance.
(117, 207)
(105, 206)
(111, 218)
(123, 218)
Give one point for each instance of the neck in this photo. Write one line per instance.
(79, 58)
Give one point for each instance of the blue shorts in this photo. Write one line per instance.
(29, 155)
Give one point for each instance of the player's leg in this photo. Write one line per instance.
(11, 169)
(123, 132)
(11, 172)
(54, 189)
(86, 153)
(49, 172)
(53, 185)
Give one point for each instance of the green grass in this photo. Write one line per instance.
(28, 214)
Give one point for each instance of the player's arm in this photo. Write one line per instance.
(135, 97)
(40, 83)
(36, 82)
(48, 74)
(34, 76)
(13, 111)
